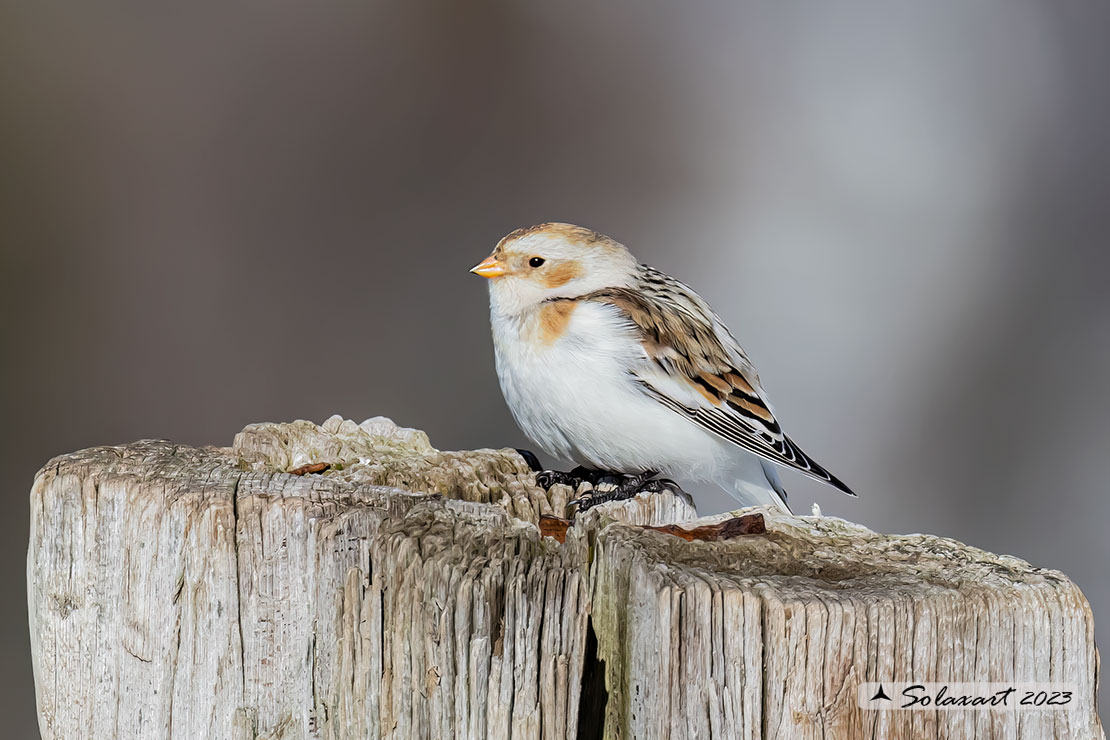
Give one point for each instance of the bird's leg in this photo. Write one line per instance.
(547, 478)
(531, 459)
(626, 487)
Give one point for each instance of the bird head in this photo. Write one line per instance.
(553, 260)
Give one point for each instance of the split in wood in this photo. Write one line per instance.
(726, 530)
(310, 468)
(556, 527)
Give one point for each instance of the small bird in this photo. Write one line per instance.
(622, 368)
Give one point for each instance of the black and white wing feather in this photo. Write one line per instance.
(695, 367)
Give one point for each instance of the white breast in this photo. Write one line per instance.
(574, 397)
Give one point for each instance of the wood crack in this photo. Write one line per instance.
(238, 587)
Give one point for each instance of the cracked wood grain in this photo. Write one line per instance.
(384, 589)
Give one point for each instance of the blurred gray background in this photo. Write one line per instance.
(902, 209)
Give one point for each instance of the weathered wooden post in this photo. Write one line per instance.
(251, 592)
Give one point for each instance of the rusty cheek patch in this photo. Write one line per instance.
(554, 318)
(559, 275)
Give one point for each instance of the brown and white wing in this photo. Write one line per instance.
(696, 368)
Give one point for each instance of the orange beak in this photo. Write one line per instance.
(489, 268)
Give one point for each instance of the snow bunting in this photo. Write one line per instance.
(619, 367)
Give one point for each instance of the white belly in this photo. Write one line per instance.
(574, 398)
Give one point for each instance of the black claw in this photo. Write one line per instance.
(531, 459)
(545, 479)
(658, 485)
(590, 501)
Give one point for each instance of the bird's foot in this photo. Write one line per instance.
(575, 478)
(605, 486)
(623, 487)
(546, 479)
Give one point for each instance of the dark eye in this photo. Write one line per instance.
(536, 261)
